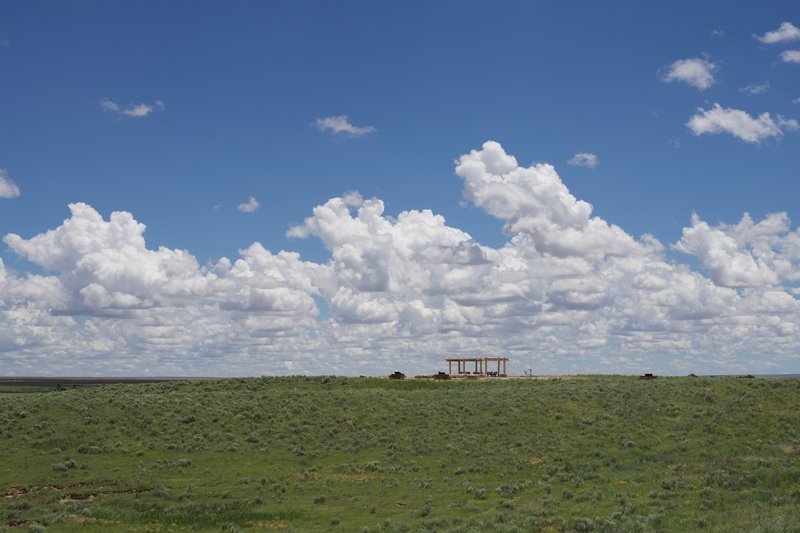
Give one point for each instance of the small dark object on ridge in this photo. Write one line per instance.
(648, 376)
(397, 375)
(441, 375)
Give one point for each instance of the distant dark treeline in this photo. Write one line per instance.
(74, 382)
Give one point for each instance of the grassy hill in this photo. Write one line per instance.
(345, 454)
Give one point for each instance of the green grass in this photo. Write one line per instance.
(336, 454)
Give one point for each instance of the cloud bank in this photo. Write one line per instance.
(568, 291)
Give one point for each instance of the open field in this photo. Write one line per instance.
(347, 454)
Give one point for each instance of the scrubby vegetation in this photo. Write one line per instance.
(337, 454)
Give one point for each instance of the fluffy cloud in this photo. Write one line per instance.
(105, 269)
(8, 189)
(131, 110)
(785, 32)
(739, 123)
(396, 271)
(746, 254)
(567, 292)
(695, 71)
(791, 56)
(250, 206)
(535, 202)
(729, 263)
(340, 125)
(105, 265)
(583, 159)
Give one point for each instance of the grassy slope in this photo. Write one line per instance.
(596, 453)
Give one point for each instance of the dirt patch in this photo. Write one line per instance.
(16, 523)
(78, 498)
(15, 492)
(137, 490)
(535, 461)
(18, 492)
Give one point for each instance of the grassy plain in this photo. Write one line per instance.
(345, 454)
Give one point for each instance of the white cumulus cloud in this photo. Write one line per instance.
(729, 263)
(785, 32)
(535, 202)
(250, 206)
(568, 290)
(739, 123)
(791, 56)
(131, 110)
(695, 71)
(8, 189)
(105, 265)
(747, 254)
(340, 125)
(104, 268)
(584, 159)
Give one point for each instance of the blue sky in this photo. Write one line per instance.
(179, 112)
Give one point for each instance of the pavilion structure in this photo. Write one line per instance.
(482, 366)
